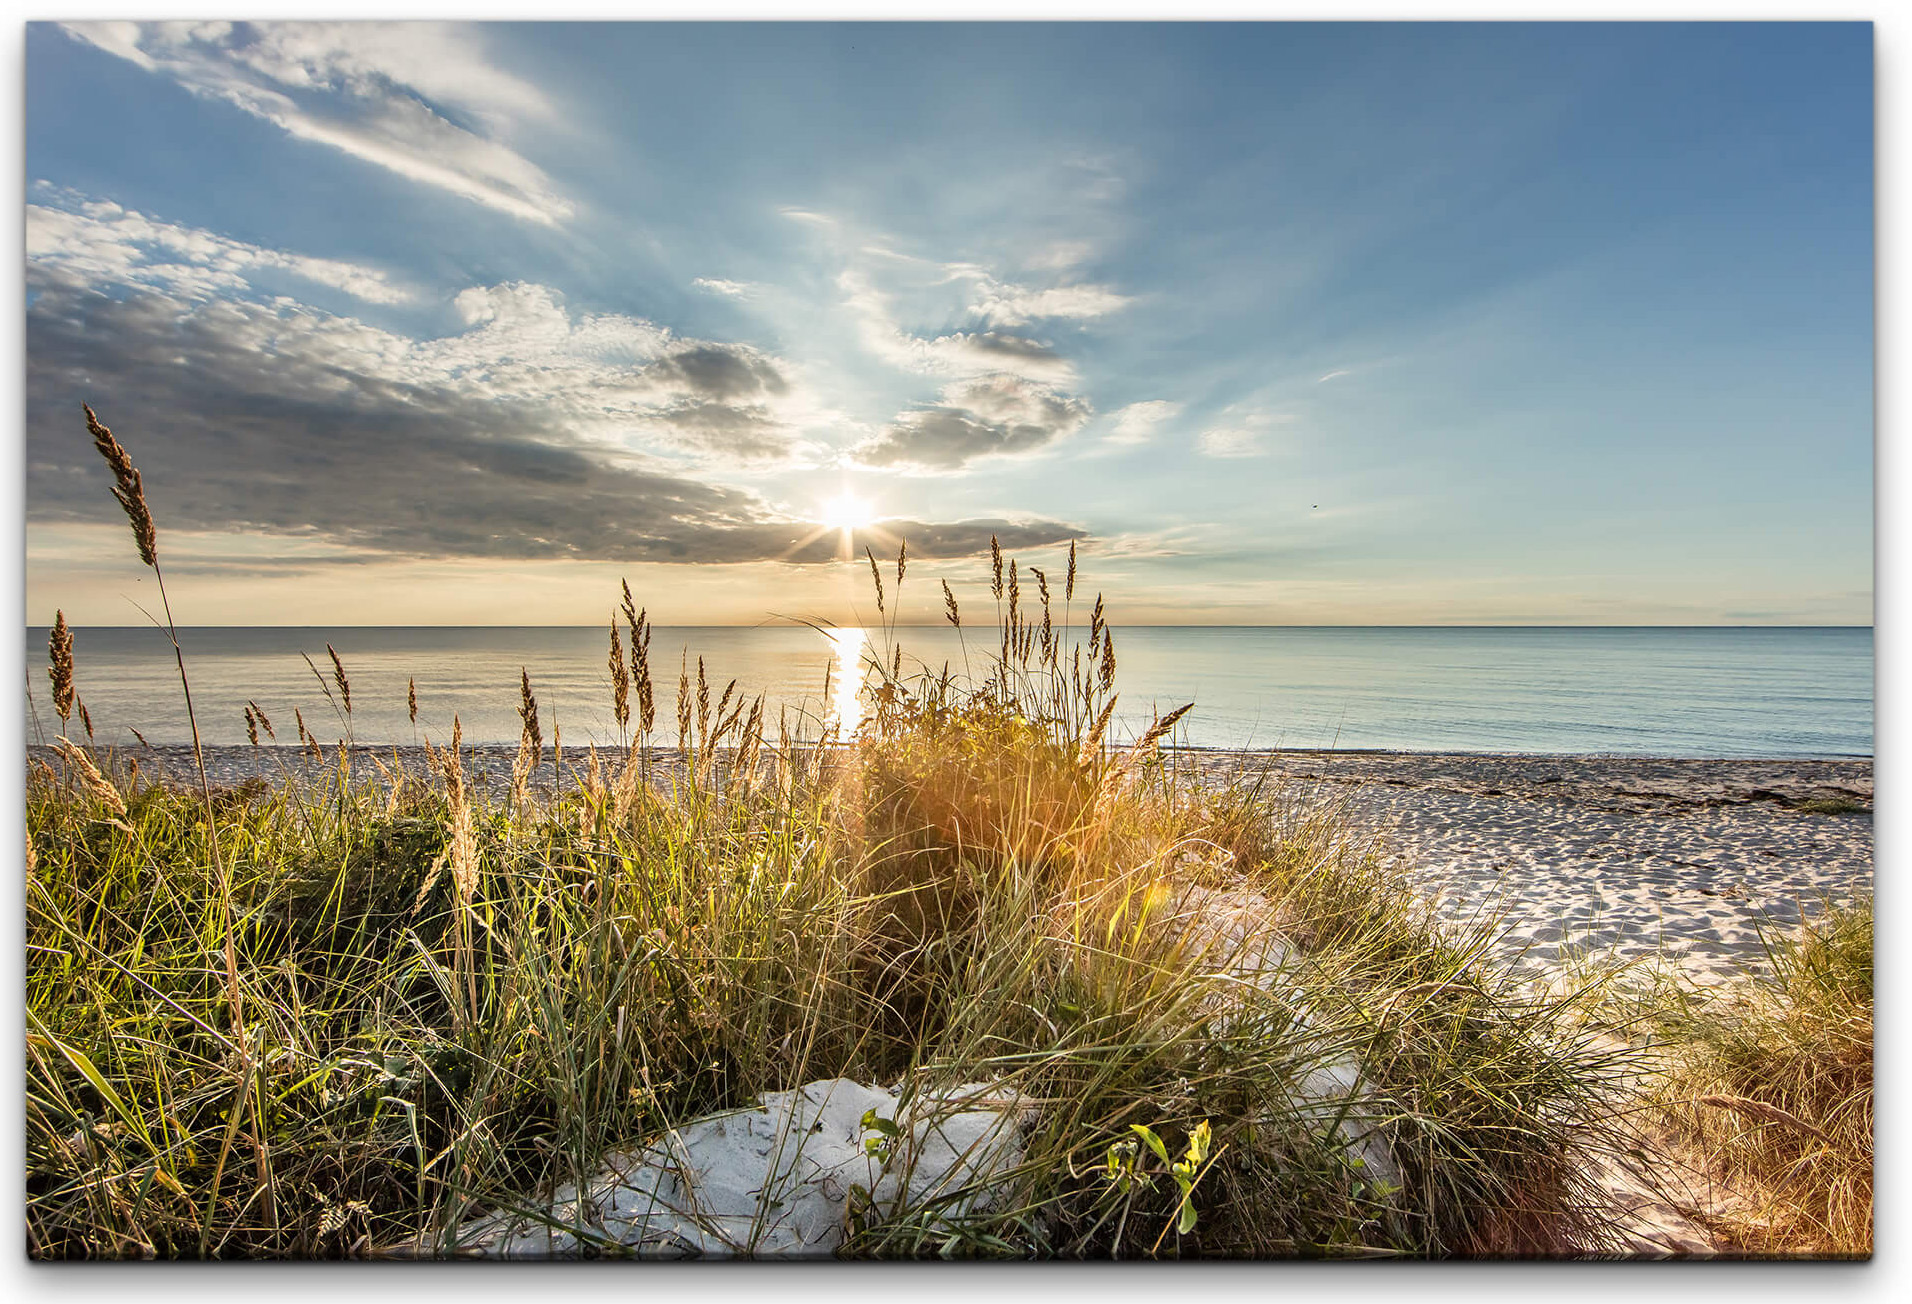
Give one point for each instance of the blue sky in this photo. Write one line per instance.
(1283, 323)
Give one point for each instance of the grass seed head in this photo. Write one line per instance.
(683, 701)
(60, 671)
(338, 677)
(620, 679)
(703, 703)
(1159, 730)
(89, 776)
(126, 488)
(528, 712)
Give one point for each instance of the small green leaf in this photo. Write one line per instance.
(1186, 1219)
(1152, 1141)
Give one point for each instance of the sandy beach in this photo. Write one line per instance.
(1618, 857)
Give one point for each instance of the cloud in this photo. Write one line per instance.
(729, 289)
(1001, 303)
(991, 416)
(1230, 441)
(961, 353)
(1015, 305)
(103, 242)
(1334, 375)
(396, 95)
(1060, 255)
(1139, 422)
(1239, 432)
(721, 371)
(531, 433)
(936, 541)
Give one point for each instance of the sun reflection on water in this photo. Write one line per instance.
(846, 680)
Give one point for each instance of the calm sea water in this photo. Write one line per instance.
(1633, 691)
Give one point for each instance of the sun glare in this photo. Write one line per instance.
(846, 512)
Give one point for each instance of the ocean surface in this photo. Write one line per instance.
(1689, 692)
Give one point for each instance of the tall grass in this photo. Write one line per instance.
(454, 1004)
(1771, 1084)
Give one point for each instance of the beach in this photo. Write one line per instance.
(1616, 858)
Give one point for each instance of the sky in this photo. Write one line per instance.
(1280, 323)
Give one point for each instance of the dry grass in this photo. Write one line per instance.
(1771, 1088)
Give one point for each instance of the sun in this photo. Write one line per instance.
(846, 512)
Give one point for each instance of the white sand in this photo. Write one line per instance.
(1614, 858)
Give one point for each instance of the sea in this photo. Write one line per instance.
(1634, 691)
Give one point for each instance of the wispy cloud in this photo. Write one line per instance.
(100, 241)
(958, 353)
(1017, 305)
(394, 95)
(1239, 435)
(1060, 255)
(1334, 375)
(715, 285)
(1138, 423)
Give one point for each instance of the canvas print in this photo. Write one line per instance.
(1056, 641)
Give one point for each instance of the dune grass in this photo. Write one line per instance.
(1770, 1085)
(449, 1003)
(963, 896)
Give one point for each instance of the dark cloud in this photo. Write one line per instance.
(279, 420)
(932, 541)
(745, 432)
(720, 372)
(992, 415)
(1015, 347)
